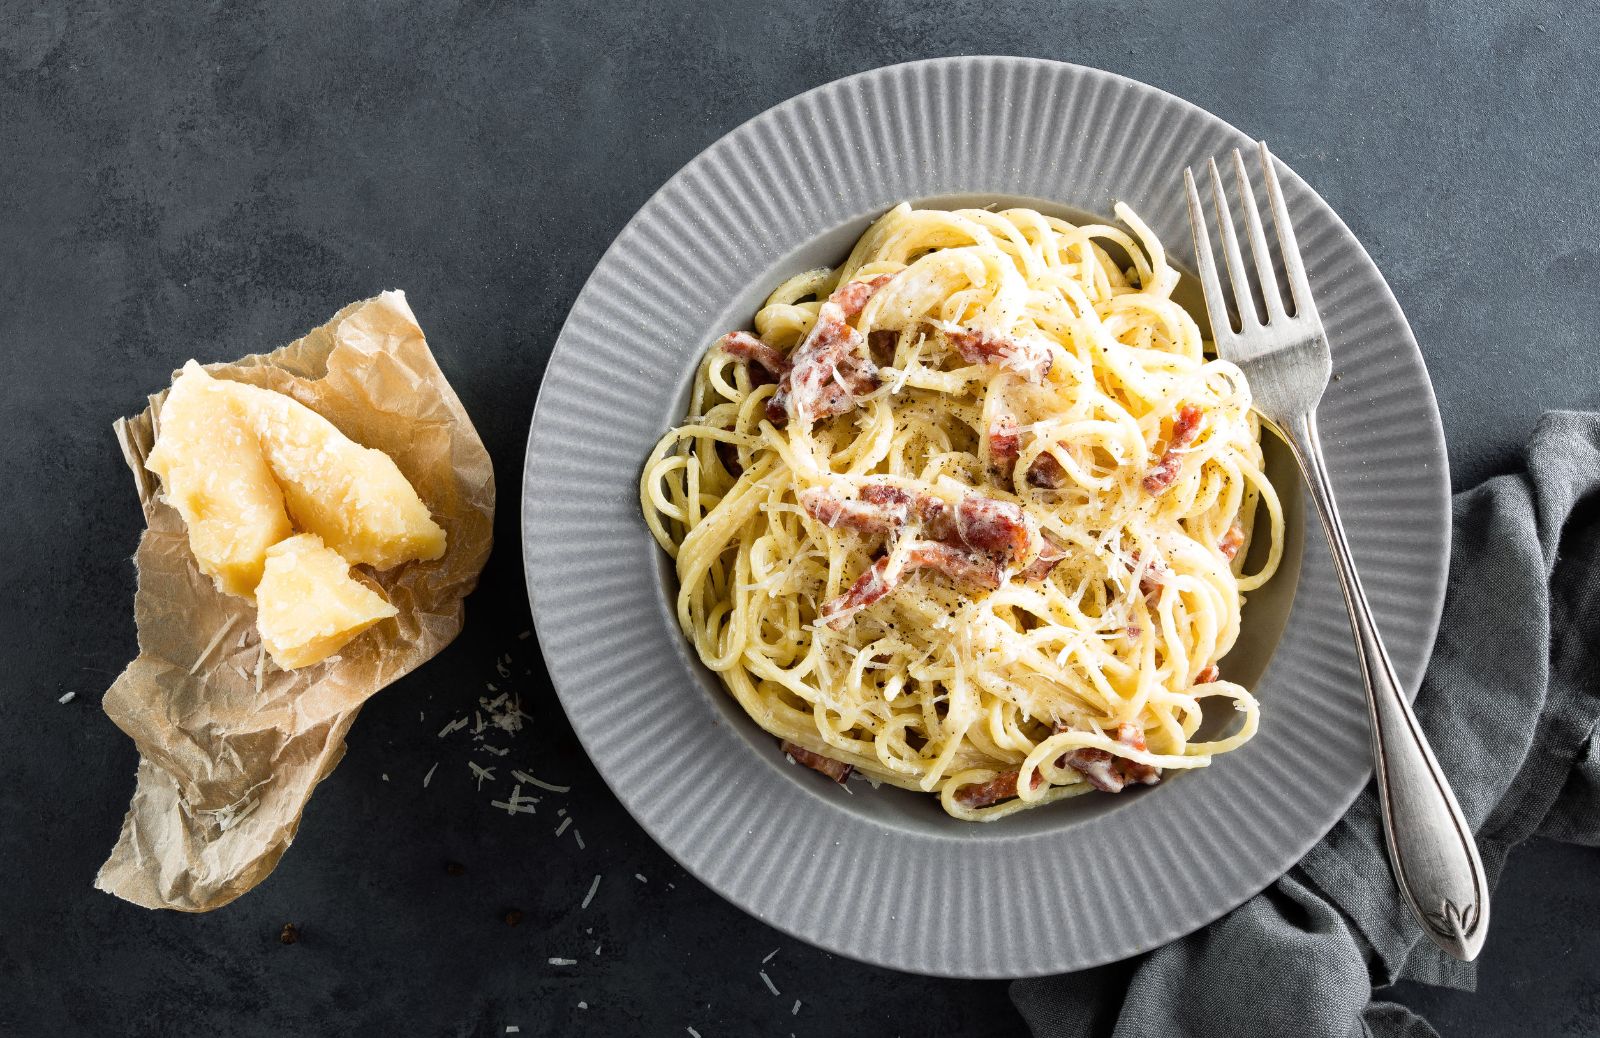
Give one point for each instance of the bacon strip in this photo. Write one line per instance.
(834, 769)
(1002, 787)
(746, 347)
(995, 528)
(1134, 772)
(875, 582)
(1109, 773)
(971, 544)
(1207, 676)
(872, 585)
(1046, 472)
(1098, 766)
(828, 371)
(852, 297)
(1049, 555)
(937, 519)
(960, 566)
(1185, 427)
(874, 514)
(1030, 360)
(1005, 443)
(1232, 541)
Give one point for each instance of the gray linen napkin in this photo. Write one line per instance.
(1510, 702)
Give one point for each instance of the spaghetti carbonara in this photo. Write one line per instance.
(969, 513)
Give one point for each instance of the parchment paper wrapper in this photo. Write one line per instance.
(226, 767)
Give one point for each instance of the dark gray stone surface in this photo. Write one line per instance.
(214, 181)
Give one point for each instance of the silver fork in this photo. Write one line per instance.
(1287, 363)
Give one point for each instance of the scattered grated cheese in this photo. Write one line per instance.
(579, 837)
(523, 776)
(497, 751)
(454, 726)
(796, 1010)
(640, 877)
(69, 697)
(386, 776)
(597, 949)
(524, 636)
(513, 1029)
(583, 1005)
(216, 639)
(563, 826)
(480, 773)
(770, 954)
(590, 895)
(490, 686)
(563, 962)
(768, 982)
(692, 1032)
(429, 776)
(560, 811)
(517, 804)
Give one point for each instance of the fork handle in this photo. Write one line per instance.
(1435, 860)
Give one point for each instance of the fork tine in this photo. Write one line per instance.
(1210, 283)
(1258, 240)
(1299, 286)
(1230, 252)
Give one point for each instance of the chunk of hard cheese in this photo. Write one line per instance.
(213, 473)
(355, 499)
(308, 606)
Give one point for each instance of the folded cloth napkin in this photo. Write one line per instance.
(1510, 703)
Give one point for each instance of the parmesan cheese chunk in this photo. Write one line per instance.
(213, 473)
(354, 498)
(308, 606)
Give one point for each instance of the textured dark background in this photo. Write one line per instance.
(214, 180)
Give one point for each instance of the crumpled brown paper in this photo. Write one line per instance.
(226, 767)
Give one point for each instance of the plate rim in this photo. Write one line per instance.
(1435, 449)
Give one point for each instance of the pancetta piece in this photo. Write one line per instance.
(1108, 772)
(834, 769)
(1051, 552)
(1135, 773)
(1208, 675)
(1005, 443)
(1031, 360)
(998, 529)
(1098, 766)
(1185, 427)
(872, 585)
(867, 513)
(828, 372)
(852, 297)
(960, 565)
(963, 567)
(1046, 472)
(1002, 787)
(761, 357)
(1232, 541)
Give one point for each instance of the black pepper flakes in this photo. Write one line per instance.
(454, 868)
(289, 934)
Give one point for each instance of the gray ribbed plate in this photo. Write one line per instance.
(883, 875)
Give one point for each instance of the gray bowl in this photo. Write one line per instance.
(884, 875)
